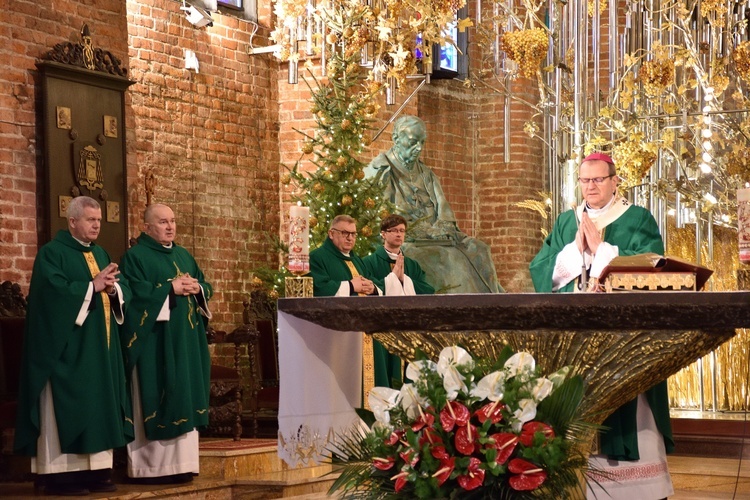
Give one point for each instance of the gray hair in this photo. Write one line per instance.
(342, 218)
(150, 209)
(78, 204)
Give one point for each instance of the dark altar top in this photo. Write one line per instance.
(527, 311)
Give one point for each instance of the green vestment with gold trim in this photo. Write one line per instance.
(634, 232)
(83, 364)
(171, 356)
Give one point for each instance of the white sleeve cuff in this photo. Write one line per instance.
(568, 266)
(604, 255)
(344, 290)
(164, 313)
(83, 312)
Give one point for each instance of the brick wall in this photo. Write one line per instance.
(210, 137)
(28, 29)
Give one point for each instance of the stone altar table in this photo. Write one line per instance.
(620, 343)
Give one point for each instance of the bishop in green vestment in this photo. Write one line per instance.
(72, 374)
(165, 347)
(579, 247)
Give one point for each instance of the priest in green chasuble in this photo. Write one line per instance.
(73, 405)
(397, 274)
(339, 272)
(581, 244)
(166, 352)
(391, 270)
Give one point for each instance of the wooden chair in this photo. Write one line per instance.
(225, 396)
(260, 313)
(12, 322)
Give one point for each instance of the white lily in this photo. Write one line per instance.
(519, 363)
(449, 359)
(416, 370)
(411, 400)
(526, 412)
(490, 387)
(382, 400)
(542, 388)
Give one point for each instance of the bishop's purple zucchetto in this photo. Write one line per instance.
(599, 156)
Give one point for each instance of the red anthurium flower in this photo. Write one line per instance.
(410, 457)
(474, 476)
(394, 438)
(505, 443)
(383, 463)
(465, 439)
(529, 476)
(491, 411)
(430, 435)
(446, 468)
(454, 413)
(440, 452)
(424, 420)
(401, 480)
(530, 428)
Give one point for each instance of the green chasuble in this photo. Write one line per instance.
(328, 269)
(634, 232)
(83, 364)
(172, 356)
(379, 265)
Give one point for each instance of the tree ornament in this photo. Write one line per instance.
(384, 213)
(313, 221)
(346, 200)
(332, 38)
(286, 179)
(318, 187)
(366, 231)
(345, 124)
(359, 175)
(341, 161)
(369, 203)
(348, 32)
(307, 147)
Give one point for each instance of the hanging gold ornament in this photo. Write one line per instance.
(341, 161)
(369, 203)
(286, 179)
(313, 221)
(348, 32)
(346, 200)
(318, 187)
(384, 213)
(366, 231)
(307, 147)
(345, 124)
(359, 175)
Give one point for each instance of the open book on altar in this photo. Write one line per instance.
(650, 271)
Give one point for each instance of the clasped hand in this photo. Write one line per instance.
(588, 236)
(185, 285)
(106, 278)
(362, 285)
(398, 267)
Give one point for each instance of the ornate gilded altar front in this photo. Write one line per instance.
(620, 343)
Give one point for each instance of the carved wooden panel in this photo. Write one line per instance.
(83, 108)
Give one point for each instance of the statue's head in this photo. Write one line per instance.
(409, 135)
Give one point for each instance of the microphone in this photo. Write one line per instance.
(583, 286)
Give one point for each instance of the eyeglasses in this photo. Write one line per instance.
(595, 180)
(397, 231)
(345, 234)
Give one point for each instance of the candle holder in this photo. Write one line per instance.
(298, 286)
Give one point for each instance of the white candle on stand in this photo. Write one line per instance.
(299, 239)
(743, 223)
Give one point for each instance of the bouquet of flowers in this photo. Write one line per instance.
(466, 428)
